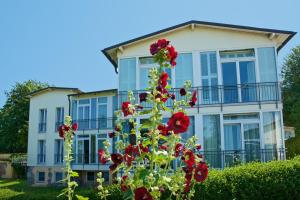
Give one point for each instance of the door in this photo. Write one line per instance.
(83, 117)
(252, 142)
(247, 80)
(83, 151)
(233, 144)
(229, 74)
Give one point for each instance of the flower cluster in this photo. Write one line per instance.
(147, 151)
(62, 129)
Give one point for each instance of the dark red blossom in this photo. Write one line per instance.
(143, 96)
(201, 172)
(182, 92)
(154, 49)
(143, 149)
(163, 147)
(178, 149)
(62, 129)
(126, 109)
(128, 159)
(116, 158)
(188, 172)
(173, 96)
(111, 135)
(189, 158)
(123, 184)
(193, 99)
(142, 193)
(163, 43)
(163, 80)
(198, 146)
(172, 55)
(179, 122)
(187, 186)
(101, 156)
(163, 130)
(74, 126)
(157, 46)
(113, 167)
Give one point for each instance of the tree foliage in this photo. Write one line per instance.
(14, 117)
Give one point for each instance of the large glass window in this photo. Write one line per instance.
(58, 151)
(212, 140)
(43, 121)
(183, 69)
(209, 77)
(41, 157)
(102, 113)
(84, 114)
(127, 74)
(59, 117)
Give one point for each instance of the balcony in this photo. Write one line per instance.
(223, 95)
(215, 159)
(95, 124)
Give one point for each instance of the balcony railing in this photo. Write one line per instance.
(215, 159)
(58, 158)
(42, 127)
(221, 94)
(95, 124)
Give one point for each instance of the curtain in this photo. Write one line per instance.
(127, 74)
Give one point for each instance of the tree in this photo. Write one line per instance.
(14, 117)
(291, 95)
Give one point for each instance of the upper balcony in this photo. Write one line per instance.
(95, 124)
(221, 95)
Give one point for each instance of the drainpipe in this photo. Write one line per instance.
(69, 105)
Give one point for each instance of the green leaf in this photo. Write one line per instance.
(81, 197)
(145, 112)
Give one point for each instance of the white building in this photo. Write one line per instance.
(238, 116)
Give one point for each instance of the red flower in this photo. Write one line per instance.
(163, 43)
(111, 135)
(163, 129)
(182, 92)
(113, 167)
(154, 48)
(101, 156)
(116, 158)
(194, 99)
(189, 158)
(163, 147)
(187, 186)
(179, 123)
(123, 184)
(142, 193)
(188, 173)
(172, 55)
(198, 146)
(143, 149)
(131, 150)
(126, 109)
(173, 97)
(62, 129)
(128, 159)
(201, 172)
(74, 126)
(178, 149)
(163, 80)
(143, 96)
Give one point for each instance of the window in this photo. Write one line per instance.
(59, 117)
(43, 120)
(209, 77)
(191, 130)
(41, 151)
(90, 176)
(58, 151)
(127, 74)
(58, 176)
(102, 112)
(183, 69)
(84, 114)
(41, 176)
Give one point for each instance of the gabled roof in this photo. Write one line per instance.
(95, 92)
(47, 89)
(108, 51)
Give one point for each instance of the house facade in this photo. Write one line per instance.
(234, 69)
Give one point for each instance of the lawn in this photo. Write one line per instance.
(18, 189)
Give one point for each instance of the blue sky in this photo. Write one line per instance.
(59, 41)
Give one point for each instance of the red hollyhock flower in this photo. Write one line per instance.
(143, 96)
(188, 173)
(189, 158)
(123, 184)
(142, 193)
(101, 156)
(194, 99)
(113, 167)
(163, 129)
(126, 109)
(198, 146)
(163, 147)
(61, 131)
(182, 92)
(116, 158)
(187, 187)
(163, 43)
(143, 149)
(163, 80)
(128, 159)
(172, 55)
(154, 48)
(74, 126)
(173, 96)
(179, 122)
(201, 172)
(111, 135)
(178, 149)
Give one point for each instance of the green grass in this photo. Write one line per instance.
(18, 189)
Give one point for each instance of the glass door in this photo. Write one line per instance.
(83, 117)
(83, 151)
(251, 142)
(247, 80)
(229, 73)
(233, 144)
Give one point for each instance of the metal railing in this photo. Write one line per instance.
(229, 158)
(42, 127)
(215, 159)
(95, 124)
(221, 94)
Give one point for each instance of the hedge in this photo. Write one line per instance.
(272, 180)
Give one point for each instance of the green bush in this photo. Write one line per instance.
(293, 146)
(272, 180)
